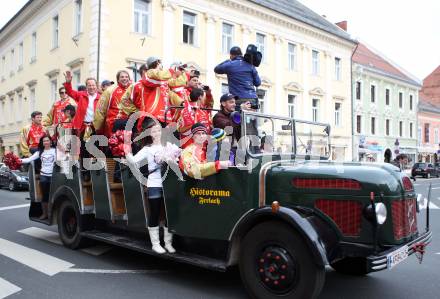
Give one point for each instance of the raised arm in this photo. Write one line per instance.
(68, 86)
(222, 68)
(34, 157)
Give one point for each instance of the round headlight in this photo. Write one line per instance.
(381, 213)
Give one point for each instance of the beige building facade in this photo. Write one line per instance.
(306, 68)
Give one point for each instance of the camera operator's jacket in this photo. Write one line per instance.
(242, 77)
(108, 109)
(151, 95)
(193, 162)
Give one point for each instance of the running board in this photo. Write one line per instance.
(141, 246)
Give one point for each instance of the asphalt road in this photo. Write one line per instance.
(33, 264)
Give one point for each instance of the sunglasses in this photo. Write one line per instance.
(62, 92)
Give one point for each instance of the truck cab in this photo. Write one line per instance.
(281, 213)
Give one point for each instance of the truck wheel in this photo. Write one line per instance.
(356, 266)
(11, 186)
(275, 262)
(69, 225)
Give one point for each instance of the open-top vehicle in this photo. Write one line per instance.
(281, 214)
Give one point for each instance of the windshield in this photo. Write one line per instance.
(267, 134)
(421, 165)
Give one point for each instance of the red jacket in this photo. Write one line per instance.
(82, 100)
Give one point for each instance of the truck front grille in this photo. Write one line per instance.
(404, 218)
(346, 214)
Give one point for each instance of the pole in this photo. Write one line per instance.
(98, 60)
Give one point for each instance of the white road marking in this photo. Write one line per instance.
(424, 202)
(15, 207)
(7, 288)
(104, 271)
(42, 234)
(438, 253)
(32, 258)
(53, 237)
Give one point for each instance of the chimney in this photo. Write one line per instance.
(342, 25)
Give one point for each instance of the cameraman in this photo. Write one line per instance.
(242, 77)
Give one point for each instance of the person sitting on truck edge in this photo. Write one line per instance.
(193, 159)
(155, 154)
(31, 134)
(47, 155)
(242, 77)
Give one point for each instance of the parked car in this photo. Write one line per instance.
(425, 170)
(13, 179)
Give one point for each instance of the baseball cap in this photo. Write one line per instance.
(227, 96)
(235, 51)
(151, 60)
(107, 82)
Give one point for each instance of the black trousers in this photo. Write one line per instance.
(156, 205)
(45, 187)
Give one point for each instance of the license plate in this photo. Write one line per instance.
(397, 256)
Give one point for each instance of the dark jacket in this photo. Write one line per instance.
(222, 120)
(242, 77)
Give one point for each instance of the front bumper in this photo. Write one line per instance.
(380, 262)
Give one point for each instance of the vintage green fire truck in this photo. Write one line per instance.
(281, 214)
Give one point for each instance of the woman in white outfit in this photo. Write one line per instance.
(155, 154)
(47, 154)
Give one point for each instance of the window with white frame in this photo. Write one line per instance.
(55, 32)
(436, 136)
(141, 16)
(426, 132)
(20, 56)
(227, 37)
(387, 127)
(315, 62)
(189, 28)
(12, 63)
(19, 112)
(373, 126)
(373, 93)
(54, 90)
(78, 17)
(410, 130)
(315, 109)
(291, 105)
(358, 90)
(400, 100)
(225, 88)
(411, 102)
(387, 97)
(32, 100)
(76, 77)
(261, 44)
(11, 110)
(338, 109)
(401, 128)
(337, 68)
(291, 50)
(358, 124)
(34, 47)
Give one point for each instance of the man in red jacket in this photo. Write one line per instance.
(108, 111)
(86, 101)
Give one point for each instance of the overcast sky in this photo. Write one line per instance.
(407, 32)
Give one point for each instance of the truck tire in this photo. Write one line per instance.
(69, 225)
(356, 266)
(275, 262)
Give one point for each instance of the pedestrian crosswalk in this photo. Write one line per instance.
(53, 237)
(7, 288)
